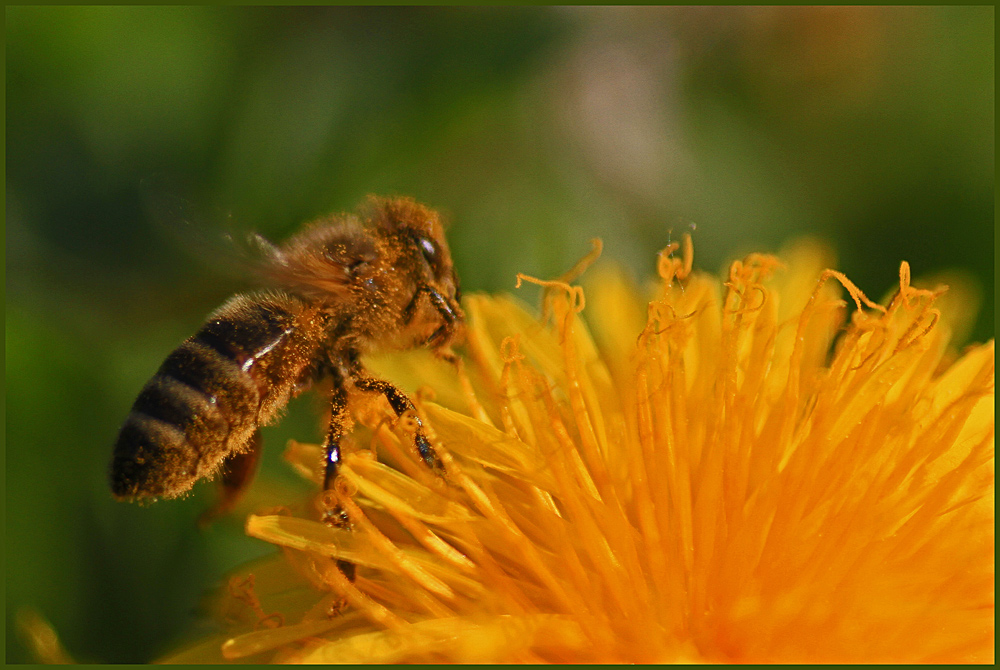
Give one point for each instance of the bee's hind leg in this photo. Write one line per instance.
(401, 404)
(237, 472)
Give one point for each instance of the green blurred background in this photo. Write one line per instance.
(136, 137)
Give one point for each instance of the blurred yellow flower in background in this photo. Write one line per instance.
(733, 471)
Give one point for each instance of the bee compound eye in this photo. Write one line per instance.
(428, 249)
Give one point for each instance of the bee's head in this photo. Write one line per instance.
(420, 236)
(421, 243)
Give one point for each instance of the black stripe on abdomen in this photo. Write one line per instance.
(197, 409)
(243, 329)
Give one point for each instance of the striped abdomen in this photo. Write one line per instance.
(211, 394)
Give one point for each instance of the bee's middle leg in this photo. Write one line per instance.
(401, 404)
(334, 434)
(336, 516)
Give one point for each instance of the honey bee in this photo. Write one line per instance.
(343, 287)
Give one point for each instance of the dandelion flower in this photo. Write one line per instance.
(750, 469)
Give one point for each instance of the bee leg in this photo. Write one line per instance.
(411, 307)
(236, 473)
(400, 405)
(333, 436)
(448, 315)
(336, 516)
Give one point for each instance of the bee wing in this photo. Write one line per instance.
(314, 276)
(211, 241)
(214, 242)
(330, 260)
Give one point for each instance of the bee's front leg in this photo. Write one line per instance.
(401, 404)
(449, 310)
(411, 307)
(451, 324)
